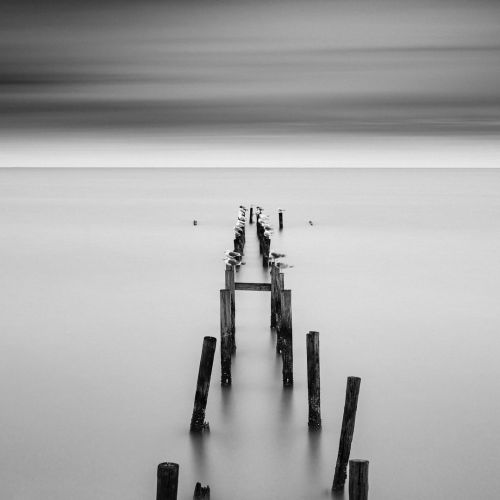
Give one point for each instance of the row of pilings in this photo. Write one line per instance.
(281, 322)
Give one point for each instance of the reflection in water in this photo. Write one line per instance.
(199, 453)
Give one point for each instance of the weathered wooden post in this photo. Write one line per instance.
(313, 380)
(198, 423)
(358, 479)
(201, 491)
(274, 288)
(286, 337)
(229, 284)
(280, 286)
(280, 218)
(167, 480)
(351, 404)
(226, 342)
(266, 246)
(251, 215)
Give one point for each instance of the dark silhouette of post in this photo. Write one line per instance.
(229, 284)
(313, 380)
(358, 479)
(201, 491)
(251, 215)
(351, 404)
(280, 286)
(286, 337)
(280, 218)
(198, 423)
(226, 342)
(266, 247)
(167, 480)
(275, 292)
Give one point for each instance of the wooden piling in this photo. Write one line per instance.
(201, 491)
(230, 285)
(167, 480)
(226, 342)
(198, 423)
(266, 247)
(358, 479)
(280, 286)
(286, 337)
(348, 420)
(313, 380)
(251, 215)
(280, 218)
(274, 293)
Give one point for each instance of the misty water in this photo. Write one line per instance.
(108, 290)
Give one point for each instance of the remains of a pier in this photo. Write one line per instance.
(346, 433)
(358, 479)
(167, 480)
(198, 423)
(313, 380)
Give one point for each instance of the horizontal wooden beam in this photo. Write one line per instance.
(258, 287)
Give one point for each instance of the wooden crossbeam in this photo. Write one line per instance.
(257, 287)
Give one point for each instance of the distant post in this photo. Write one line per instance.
(226, 342)
(251, 215)
(313, 380)
(167, 479)
(280, 218)
(351, 404)
(286, 337)
(202, 386)
(229, 283)
(358, 479)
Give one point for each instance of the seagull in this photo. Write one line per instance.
(232, 255)
(281, 209)
(276, 255)
(282, 265)
(231, 262)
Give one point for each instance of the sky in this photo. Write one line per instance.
(250, 69)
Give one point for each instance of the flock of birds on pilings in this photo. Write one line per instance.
(281, 321)
(264, 230)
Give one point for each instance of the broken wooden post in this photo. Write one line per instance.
(167, 480)
(251, 215)
(351, 403)
(226, 337)
(198, 423)
(313, 380)
(286, 337)
(358, 479)
(201, 491)
(280, 218)
(230, 285)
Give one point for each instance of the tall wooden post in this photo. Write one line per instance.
(274, 296)
(266, 246)
(280, 286)
(358, 479)
(280, 218)
(229, 284)
(313, 380)
(226, 342)
(351, 404)
(167, 480)
(286, 337)
(203, 384)
(251, 215)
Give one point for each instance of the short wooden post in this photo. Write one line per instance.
(313, 380)
(351, 404)
(229, 284)
(251, 215)
(198, 423)
(201, 491)
(167, 480)
(226, 343)
(280, 218)
(358, 479)
(286, 337)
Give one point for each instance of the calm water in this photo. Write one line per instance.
(108, 290)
